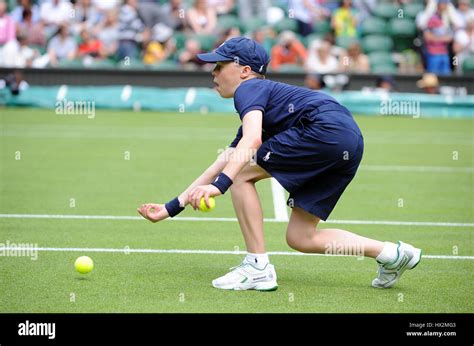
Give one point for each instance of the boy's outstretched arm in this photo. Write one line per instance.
(248, 145)
(157, 212)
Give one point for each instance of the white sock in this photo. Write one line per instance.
(258, 260)
(388, 254)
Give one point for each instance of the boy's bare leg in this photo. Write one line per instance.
(393, 259)
(256, 272)
(303, 236)
(248, 208)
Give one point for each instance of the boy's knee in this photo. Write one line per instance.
(238, 182)
(295, 241)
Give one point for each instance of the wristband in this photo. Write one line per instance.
(173, 207)
(222, 182)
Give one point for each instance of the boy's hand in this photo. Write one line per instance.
(153, 212)
(205, 191)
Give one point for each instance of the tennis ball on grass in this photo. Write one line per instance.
(84, 265)
(203, 206)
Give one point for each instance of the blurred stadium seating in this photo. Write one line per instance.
(387, 26)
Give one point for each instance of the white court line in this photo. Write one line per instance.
(428, 169)
(201, 252)
(279, 201)
(229, 219)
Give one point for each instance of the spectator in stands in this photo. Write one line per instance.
(306, 12)
(172, 14)
(335, 50)
(445, 9)
(463, 45)
(264, 36)
(344, 20)
(437, 39)
(252, 8)
(34, 30)
(355, 61)
(54, 13)
(62, 46)
(202, 19)
(158, 46)
(107, 31)
(91, 46)
(385, 83)
(18, 53)
(429, 83)
(221, 6)
(188, 58)
(465, 11)
(365, 8)
(86, 16)
(227, 35)
(130, 29)
(149, 12)
(288, 50)
(107, 5)
(17, 13)
(320, 60)
(314, 81)
(7, 24)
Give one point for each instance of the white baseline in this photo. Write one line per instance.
(229, 219)
(127, 250)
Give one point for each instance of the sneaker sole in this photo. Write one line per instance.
(263, 286)
(416, 259)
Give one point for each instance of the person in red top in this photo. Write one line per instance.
(437, 39)
(288, 51)
(91, 46)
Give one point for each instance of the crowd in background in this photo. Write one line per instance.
(49, 33)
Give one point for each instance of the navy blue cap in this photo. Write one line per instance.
(243, 51)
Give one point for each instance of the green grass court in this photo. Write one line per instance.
(414, 170)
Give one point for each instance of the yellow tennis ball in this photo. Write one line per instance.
(203, 206)
(84, 265)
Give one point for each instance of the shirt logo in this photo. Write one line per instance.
(267, 157)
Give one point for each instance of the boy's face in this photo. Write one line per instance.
(228, 76)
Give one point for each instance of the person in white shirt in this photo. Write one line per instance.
(465, 11)
(306, 12)
(54, 13)
(463, 44)
(320, 60)
(17, 52)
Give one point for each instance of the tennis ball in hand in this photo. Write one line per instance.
(203, 206)
(84, 265)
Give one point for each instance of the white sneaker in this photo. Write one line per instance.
(389, 273)
(247, 277)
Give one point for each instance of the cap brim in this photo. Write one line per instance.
(212, 57)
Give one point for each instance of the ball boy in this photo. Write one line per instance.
(304, 139)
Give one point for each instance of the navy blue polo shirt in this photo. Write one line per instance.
(282, 104)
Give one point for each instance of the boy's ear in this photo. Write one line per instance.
(246, 70)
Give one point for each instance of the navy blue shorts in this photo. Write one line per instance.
(316, 159)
